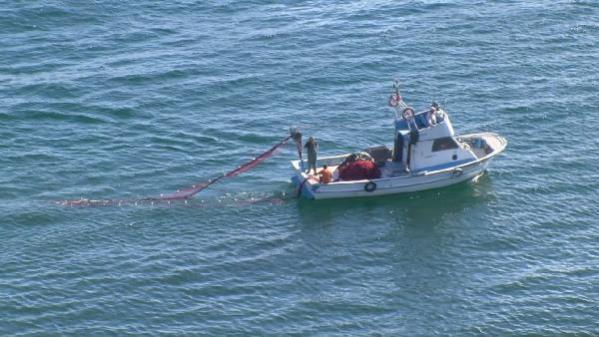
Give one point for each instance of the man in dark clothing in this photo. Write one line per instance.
(311, 146)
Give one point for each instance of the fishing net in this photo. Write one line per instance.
(195, 189)
(182, 194)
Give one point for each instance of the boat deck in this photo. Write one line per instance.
(482, 145)
(393, 169)
(390, 169)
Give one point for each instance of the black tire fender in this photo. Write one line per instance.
(370, 186)
(457, 173)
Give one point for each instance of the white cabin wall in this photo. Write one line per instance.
(423, 157)
(443, 129)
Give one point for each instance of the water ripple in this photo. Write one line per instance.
(120, 100)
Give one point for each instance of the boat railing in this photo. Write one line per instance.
(420, 119)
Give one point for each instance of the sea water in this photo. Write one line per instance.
(116, 99)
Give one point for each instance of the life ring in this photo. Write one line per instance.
(408, 113)
(370, 186)
(457, 173)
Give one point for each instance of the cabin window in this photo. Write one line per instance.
(442, 144)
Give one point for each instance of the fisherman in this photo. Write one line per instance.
(325, 175)
(311, 146)
(432, 115)
(439, 115)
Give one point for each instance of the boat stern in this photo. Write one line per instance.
(302, 181)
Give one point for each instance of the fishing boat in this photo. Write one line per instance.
(426, 154)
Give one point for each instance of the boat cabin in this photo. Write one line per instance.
(425, 141)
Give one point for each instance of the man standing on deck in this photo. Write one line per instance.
(311, 146)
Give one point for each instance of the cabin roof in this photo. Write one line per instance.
(442, 128)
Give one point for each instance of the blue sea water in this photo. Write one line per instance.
(113, 99)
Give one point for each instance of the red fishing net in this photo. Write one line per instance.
(181, 194)
(358, 170)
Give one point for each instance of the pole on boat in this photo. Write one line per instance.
(404, 111)
(296, 135)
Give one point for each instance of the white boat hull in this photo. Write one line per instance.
(417, 181)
